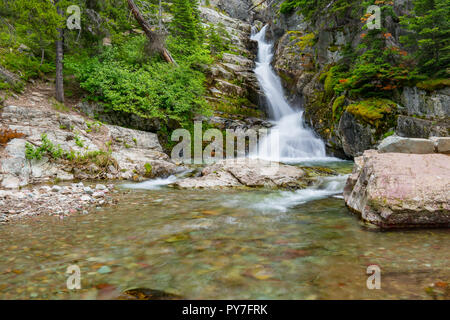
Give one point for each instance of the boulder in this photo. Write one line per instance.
(442, 144)
(394, 190)
(406, 145)
(247, 173)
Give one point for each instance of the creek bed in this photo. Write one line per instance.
(225, 244)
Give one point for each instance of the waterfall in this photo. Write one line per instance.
(289, 140)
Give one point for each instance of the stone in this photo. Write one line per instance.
(356, 137)
(104, 270)
(395, 190)
(442, 144)
(100, 187)
(85, 198)
(88, 190)
(406, 145)
(98, 195)
(421, 103)
(56, 188)
(246, 173)
(411, 127)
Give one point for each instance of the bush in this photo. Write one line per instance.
(124, 81)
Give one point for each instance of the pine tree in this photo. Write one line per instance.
(186, 19)
(429, 26)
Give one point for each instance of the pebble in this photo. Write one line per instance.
(54, 201)
(56, 188)
(104, 270)
(88, 190)
(85, 198)
(98, 195)
(45, 188)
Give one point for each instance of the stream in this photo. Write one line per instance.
(231, 244)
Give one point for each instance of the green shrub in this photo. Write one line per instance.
(125, 82)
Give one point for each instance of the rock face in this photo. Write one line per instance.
(393, 190)
(232, 80)
(355, 136)
(246, 173)
(305, 51)
(136, 153)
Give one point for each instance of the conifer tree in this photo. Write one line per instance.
(186, 20)
(429, 37)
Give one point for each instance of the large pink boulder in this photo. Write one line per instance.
(395, 190)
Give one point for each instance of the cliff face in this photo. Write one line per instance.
(306, 49)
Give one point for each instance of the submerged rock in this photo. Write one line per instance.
(247, 173)
(394, 190)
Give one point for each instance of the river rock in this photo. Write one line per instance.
(394, 190)
(406, 145)
(246, 173)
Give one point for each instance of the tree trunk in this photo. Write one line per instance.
(59, 80)
(151, 35)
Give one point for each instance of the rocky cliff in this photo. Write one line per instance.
(306, 51)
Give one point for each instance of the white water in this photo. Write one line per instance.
(154, 184)
(283, 201)
(289, 140)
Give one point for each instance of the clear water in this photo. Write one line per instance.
(220, 245)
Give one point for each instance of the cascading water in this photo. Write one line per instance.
(289, 140)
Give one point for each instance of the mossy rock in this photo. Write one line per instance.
(374, 111)
(433, 84)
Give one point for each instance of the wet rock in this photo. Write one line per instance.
(406, 145)
(394, 190)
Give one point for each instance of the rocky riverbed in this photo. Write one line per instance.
(60, 201)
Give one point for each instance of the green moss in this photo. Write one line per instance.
(373, 110)
(337, 107)
(148, 169)
(388, 134)
(433, 84)
(329, 83)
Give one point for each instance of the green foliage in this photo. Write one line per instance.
(378, 70)
(121, 79)
(337, 108)
(101, 158)
(429, 36)
(148, 169)
(219, 40)
(78, 141)
(186, 20)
